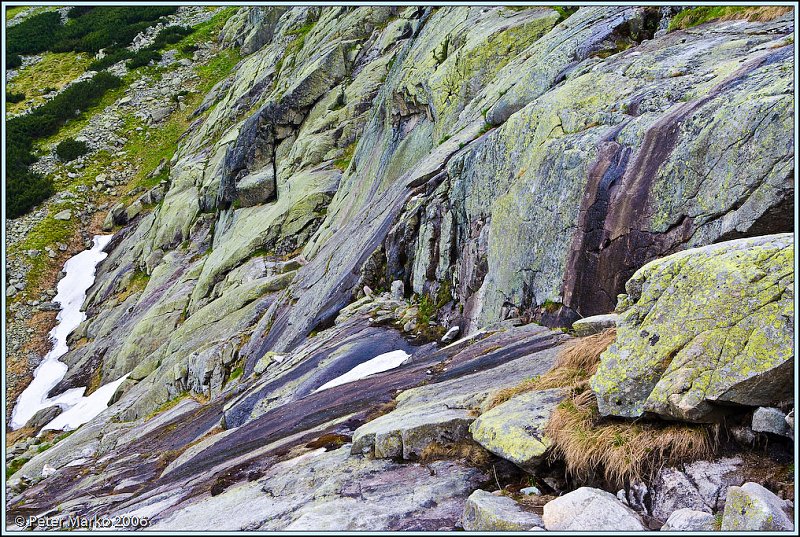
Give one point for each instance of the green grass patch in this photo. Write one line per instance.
(565, 12)
(702, 14)
(236, 373)
(13, 11)
(172, 403)
(54, 70)
(217, 68)
(343, 162)
(209, 30)
(14, 466)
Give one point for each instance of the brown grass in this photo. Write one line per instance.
(329, 441)
(13, 436)
(572, 369)
(467, 450)
(758, 13)
(621, 452)
(702, 14)
(380, 410)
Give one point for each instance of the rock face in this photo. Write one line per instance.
(588, 509)
(735, 302)
(478, 167)
(485, 511)
(751, 507)
(514, 430)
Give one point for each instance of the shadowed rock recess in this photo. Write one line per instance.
(368, 178)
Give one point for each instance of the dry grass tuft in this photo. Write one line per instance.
(578, 362)
(466, 450)
(380, 410)
(505, 394)
(619, 451)
(13, 436)
(758, 13)
(624, 452)
(572, 369)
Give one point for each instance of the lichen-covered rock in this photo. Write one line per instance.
(514, 430)
(588, 509)
(484, 511)
(751, 507)
(689, 520)
(734, 304)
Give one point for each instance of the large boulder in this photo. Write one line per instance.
(484, 511)
(514, 430)
(751, 507)
(43, 417)
(588, 509)
(704, 326)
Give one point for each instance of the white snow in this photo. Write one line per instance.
(86, 408)
(382, 362)
(71, 292)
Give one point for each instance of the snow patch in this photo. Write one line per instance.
(71, 292)
(382, 362)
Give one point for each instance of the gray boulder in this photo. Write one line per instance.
(43, 417)
(66, 214)
(770, 420)
(398, 290)
(689, 520)
(588, 509)
(484, 511)
(594, 324)
(751, 507)
(256, 188)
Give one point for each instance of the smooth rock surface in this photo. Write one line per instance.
(594, 324)
(589, 509)
(688, 520)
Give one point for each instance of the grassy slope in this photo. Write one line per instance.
(143, 152)
(55, 70)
